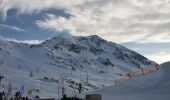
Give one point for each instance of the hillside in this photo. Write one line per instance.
(154, 86)
(90, 60)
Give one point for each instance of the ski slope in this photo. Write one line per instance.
(154, 86)
(76, 59)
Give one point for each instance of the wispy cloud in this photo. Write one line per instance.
(27, 41)
(157, 38)
(22, 41)
(111, 19)
(36, 6)
(143, 21)
(15, 28)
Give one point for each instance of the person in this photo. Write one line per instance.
(157, 66)
(11, 99)
(18, 95)
(63, 90)
(23, 98)
(64, 97)
(128, 75)
(80, 87)
(1, 95)
(26, 98)
(36, 97)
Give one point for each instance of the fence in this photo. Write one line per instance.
(93, 97)
(140, 72)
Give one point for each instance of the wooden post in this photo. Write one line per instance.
(58, 89)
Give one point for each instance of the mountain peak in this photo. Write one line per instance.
(63, 36)
(94, 36)
(67, 38)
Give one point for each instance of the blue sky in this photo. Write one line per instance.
(141, 25)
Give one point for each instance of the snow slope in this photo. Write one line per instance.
(154, 86)
(90, 60)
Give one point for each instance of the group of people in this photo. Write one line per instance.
(72, 98)
(17, 96)
(2, 95)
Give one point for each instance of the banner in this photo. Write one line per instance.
(29, 92)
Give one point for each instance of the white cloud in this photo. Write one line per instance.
(28, 41)
(116, 20)
(12, 27)
(22, 41)
(157, 38)
(35, 6)
(160, 57)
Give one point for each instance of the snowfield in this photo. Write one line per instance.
(92, 61)
(154, 86)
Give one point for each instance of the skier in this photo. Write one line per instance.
(143, 71)
(157, 67)
(80, 87)
(63, 90)
(64, 97)
(26, 98)
(16, 96)
(128, 75)
(1, 95)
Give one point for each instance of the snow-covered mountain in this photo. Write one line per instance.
(90, 60)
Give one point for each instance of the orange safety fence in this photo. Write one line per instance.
(137, 73)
